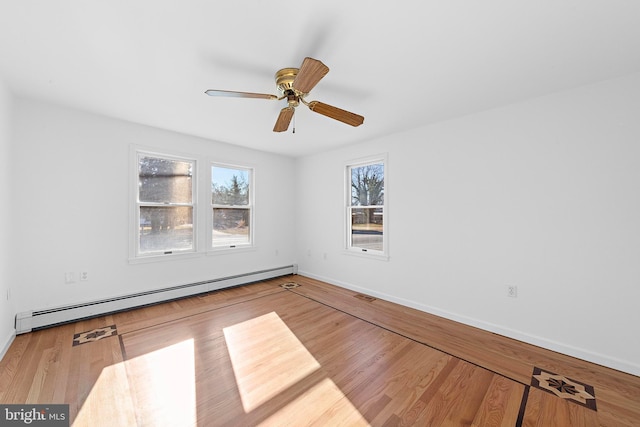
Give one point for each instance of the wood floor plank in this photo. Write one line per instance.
(474, 389)
(442, 407)
(403, 384)
(109, 385)
(186, 307)
(547, 410)
(10, 365)
(19, 385)
(501, 403)
(618, 393)
(312, 355)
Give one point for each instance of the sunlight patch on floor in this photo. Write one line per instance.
(109, 401)
(272, 366)
(166, 385)
(324, 404)
(267, 359)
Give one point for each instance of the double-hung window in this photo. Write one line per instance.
(165, 205)
(231, 206)
(365, 213)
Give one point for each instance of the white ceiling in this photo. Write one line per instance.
(400, 64)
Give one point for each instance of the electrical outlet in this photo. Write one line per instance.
(69, 277)
(84, 276)
(512, 291)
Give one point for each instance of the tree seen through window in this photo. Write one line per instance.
(231, 206)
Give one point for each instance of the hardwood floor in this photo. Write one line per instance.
(310, 355)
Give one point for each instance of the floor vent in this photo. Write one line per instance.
(364, 297)
(290, 285)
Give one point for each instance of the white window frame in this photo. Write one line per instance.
(355, 250)
(134, 251)
(250, 245)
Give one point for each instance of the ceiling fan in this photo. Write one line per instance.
(295, 84)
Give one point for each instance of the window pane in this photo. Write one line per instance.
(164, 180)
(166, 229)
(229, 186)
(366, 228)
(230, 226)
(367, 185)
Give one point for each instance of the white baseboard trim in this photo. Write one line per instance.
(580, 353)
(6, 343)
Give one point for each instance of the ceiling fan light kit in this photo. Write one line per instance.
(295, 84)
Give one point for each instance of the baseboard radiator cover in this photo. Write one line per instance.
(37, 319)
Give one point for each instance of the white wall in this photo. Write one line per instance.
(71, 173)
(544, 195)
(7, 312)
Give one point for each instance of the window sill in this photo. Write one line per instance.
(226, 250)
(369, 255)
(164, 257)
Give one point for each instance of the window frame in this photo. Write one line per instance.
(250, 245)
(349, 207)
(135, 254)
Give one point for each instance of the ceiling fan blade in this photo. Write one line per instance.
(282, 124)
(336, 113)
(230, 93)
(310, 73)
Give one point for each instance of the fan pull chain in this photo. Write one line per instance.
(294, 123)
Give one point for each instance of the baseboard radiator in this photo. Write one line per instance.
(38, 319)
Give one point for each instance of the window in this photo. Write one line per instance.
(366, 207)
(231, 206)
(165, 205)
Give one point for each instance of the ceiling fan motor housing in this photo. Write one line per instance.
(284, 81)
(285, 78)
